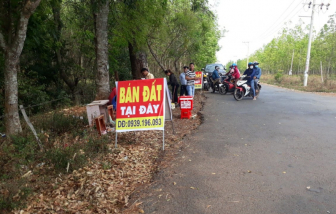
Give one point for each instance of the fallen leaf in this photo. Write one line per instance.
(174, 183)
(192, 187)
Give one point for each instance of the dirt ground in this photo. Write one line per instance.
(107, 183)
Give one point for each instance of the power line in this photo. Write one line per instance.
(278, 19)
(279, 26)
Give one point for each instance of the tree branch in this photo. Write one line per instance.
(21, 30)
(155, 57)
(2, 42)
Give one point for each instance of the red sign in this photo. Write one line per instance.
(198, 83)
(140, 105)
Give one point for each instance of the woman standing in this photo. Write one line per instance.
(174, 84)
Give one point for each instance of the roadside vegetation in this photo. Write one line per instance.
(315, 83)
(276, 57)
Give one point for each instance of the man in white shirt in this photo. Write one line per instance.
(146, 74)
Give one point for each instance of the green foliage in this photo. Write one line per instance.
(58, 123)
(97, 145)
(278, 77)
(14, 198)
(25, 147)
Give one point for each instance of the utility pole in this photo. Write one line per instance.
(290, 71)
(305, 79)
(248, 50)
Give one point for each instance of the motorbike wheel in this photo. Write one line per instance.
(206, 87)
(238, 94)
(223, 90)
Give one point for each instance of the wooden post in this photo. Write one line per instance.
(31, 126)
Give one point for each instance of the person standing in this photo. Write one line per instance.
(257, 75)
(183, 81)
(191, 77)
(146, 74)
(174, 84)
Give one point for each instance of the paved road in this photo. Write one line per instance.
(255, 157)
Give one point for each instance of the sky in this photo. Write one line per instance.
(259, 21)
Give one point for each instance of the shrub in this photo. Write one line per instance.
(97, 146)
(59, 123)
(278, 77)
(60, 157)
(14, 196)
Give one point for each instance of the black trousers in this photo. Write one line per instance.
(174, 93)
(183, 90)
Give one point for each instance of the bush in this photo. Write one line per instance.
(14, 196)
(96, 146)
(59, 123)
(278, 77)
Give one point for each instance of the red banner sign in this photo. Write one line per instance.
(140, 105)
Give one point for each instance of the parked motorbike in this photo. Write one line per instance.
(205, 82)
(227, 86)
(243, 89)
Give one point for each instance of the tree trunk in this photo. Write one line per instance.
(138, 61)
(13, 124)
(70, 82)
(101, 40)
(13, 49)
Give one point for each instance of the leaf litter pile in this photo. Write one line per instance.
(106, 183)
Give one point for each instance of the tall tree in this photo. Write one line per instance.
(100, 14)
(13, 29)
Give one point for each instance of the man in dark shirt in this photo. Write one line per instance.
(174, 84)
(215, 78)
(250, 72)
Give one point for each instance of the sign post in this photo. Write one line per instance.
(142, 105)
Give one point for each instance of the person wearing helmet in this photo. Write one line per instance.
(257, 75)
(250, 73)
(235, 74)
(215, 78)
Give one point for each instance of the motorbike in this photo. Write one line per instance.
(206, 82)
(227, 86)
(243, 89)
(215, 87)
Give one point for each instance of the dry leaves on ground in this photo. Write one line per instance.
(106, 183)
